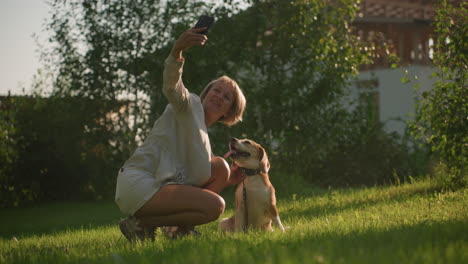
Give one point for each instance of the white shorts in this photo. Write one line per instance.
(134, 189)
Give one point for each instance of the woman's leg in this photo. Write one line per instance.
(219, 175)
(185, 205)
(181, 205)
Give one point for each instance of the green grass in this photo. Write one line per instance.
(411, 223)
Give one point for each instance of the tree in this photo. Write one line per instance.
(441, 119)
(106, 67)
(114, 51)
(8, 148)
(294, 60)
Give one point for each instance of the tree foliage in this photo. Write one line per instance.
(442, 113)
(293, 59)
(8, 147)
(106, 65)
(113, 51)
(51, 153)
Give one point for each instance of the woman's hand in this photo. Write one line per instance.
(188, 39)
(236, 176)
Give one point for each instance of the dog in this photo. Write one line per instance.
(255, 200)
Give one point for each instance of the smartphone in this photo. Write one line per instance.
(204, 21)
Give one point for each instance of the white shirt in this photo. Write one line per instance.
(177, 150)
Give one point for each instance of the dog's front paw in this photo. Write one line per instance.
(227, 224)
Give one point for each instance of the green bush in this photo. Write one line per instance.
(8, 148)
(364, 154)
(441, 118)
(59, 154)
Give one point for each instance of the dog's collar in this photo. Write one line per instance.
(249, 172)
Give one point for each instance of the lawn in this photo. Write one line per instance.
(409, 223)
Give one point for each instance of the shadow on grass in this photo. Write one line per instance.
(56, 217)
(62, 216)
(333, 206)
(437, 241)
(408, 243)
(59, 217)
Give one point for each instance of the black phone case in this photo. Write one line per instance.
(204, 21)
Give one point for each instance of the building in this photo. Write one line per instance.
(403, 28)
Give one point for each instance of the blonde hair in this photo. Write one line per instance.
(238, 105)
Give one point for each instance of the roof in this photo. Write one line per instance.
(399, 9)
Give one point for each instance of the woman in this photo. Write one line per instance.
(173, 179)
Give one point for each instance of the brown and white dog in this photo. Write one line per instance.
(256, 208)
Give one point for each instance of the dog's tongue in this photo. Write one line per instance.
(229, 153)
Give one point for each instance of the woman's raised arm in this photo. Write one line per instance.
(189, 38)
(173, 87)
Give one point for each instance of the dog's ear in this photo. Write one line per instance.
(264, 162)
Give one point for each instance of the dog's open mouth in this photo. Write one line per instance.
(234, 153)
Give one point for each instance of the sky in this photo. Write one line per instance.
(19, 58)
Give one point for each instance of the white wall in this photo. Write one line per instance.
(397, 99)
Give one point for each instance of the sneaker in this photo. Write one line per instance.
(132, 231)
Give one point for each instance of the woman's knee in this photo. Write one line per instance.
(219, 168)
(216, 208)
